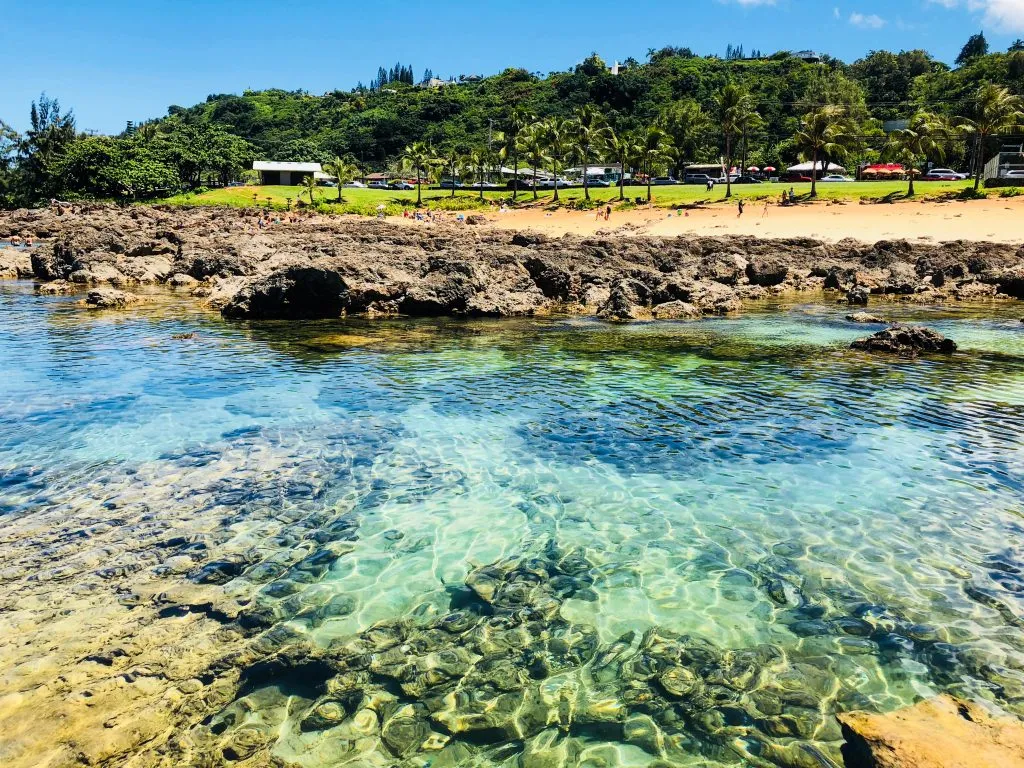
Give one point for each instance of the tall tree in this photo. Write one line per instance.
(420, 158)
(688, 126)
(654, 150)
(453, 159)
(995, 112)
(51, 131)
(735, 110)
(476, 162)
(824, 132)
(342, 169)
(925, 136)
(531, 144)
(975, 46)
(591, 133)
(516, 123)
(558, 140)
(625, 148)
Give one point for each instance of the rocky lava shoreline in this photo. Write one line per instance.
(320, 267)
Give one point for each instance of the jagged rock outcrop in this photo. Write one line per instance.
(943, 732)
(15, 264)
(292, 293)
(448, 269)
(906, 341)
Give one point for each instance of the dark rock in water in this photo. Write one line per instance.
(291, 293)
(906, 340)
(628, 301)
(110, 298)
(937, 733)
(858, 295)
(866, 317)
(675, 310)
(767, 271)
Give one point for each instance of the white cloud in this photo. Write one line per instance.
(1004, 15)
(867, 21)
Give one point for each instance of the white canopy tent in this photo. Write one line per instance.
(808, 167)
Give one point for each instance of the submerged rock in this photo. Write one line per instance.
(110, 298)
(858, 295)
(944, 732)
(905, 340)
(866, 317)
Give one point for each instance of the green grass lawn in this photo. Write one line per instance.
(366, 201)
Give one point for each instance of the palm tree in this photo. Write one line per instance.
(518, 121)
(655, 148)
(453, 160)
(343, 170)
(308, 185)
(591, 134)
(735, 111)
(421, 158)
(687, 124)
(624, 147)
(558, 138)
(824, 131)
(996, 111)
(531, 144)
(477, 161)
(925, 136)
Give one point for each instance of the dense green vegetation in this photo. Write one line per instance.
(672, 110)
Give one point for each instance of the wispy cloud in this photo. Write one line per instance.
(867, 21)
(1003, 15)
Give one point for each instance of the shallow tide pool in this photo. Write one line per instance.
(832, 530)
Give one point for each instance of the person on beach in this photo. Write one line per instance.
(740, 206)
(764, 214)
(607, 212)
(785, 197)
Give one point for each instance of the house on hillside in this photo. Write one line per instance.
(287, 174)
(808, 57)
(436, 82)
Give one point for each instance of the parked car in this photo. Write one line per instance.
(597, 183)
(520, 184)
(377, 185)
(236, 183)
(1014, 175)
(353, 185)
(449, 184)
(696, 178)
(550, 184)
(836, 177)
(943, 174)
(793, 178)
(747, 180)
(327, 183)
(403, 185)
(483, 185)
(663, 181)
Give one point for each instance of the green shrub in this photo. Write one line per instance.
(1010, 192)
(970, 193)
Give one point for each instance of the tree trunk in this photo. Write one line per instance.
(979, 159)
(586, 186)
(555, 166)
(910, 189)
(482, 171)
(743, 160)
(648, 169)
(535, 181)
(622, 178)
(419, 189)
(515, 175)
(814, 177)
(728, 165)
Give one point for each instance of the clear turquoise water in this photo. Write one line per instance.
(746, 481)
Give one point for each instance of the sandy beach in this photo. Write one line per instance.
(992, 220)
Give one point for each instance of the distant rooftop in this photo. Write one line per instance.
(271, 165)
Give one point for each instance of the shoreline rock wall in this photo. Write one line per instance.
(329, 266)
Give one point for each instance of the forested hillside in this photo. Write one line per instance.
(678, 92)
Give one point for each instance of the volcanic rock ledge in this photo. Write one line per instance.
(331, 266)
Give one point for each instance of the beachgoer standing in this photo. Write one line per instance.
(607, 212)
(764, 214)
(740, 205)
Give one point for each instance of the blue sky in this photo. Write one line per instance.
(129, 59)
